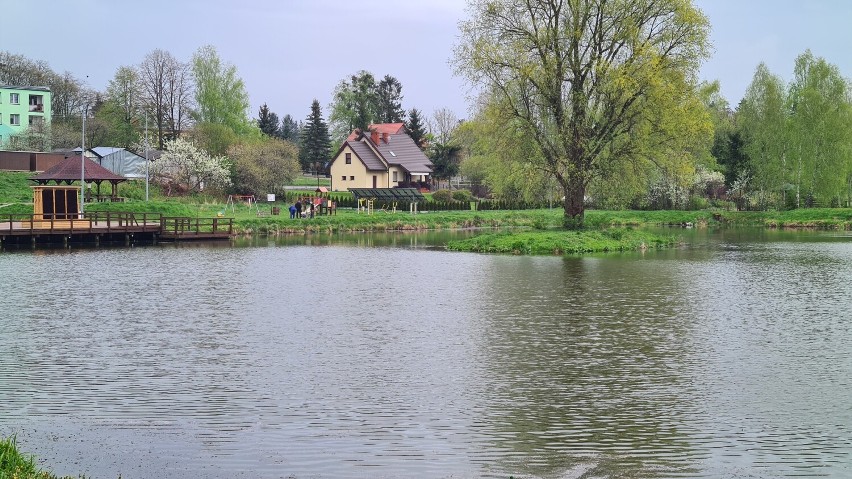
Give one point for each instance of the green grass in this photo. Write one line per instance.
(15, 187)
(16, 198)
(310, 181)
(563, 242)
(14, 464)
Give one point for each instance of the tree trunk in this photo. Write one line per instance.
(573, 204)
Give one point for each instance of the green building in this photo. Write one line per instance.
(22, 107)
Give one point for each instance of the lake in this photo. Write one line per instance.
(383, 355)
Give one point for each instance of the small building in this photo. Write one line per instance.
(69, 171)
(119, 161)
(22, 107)
(385, 157)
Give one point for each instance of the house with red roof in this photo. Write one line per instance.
(383, 157)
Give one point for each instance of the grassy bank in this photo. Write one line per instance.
(14, 464)
(563, 242)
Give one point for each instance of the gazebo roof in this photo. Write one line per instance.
(69, 170)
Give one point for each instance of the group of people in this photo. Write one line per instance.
(304, 208)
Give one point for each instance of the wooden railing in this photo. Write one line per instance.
(114, 222)
(100, 222)
(182, 225)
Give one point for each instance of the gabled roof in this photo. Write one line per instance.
(401, 150)
(371, 160)
(103, 151)
(69, 170)
(380, 128)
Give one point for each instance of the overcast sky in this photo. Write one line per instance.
(289, 52)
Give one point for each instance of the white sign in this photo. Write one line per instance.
(270, 197)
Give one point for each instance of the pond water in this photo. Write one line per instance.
(386, 356)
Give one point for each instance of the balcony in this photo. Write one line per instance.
(36, 103)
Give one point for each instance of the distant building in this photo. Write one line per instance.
(384, 157)
(22, 107)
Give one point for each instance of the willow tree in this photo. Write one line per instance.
(595, 83)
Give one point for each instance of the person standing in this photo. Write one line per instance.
(298, 208)
(292, 211)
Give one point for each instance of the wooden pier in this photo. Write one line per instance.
(100, 227)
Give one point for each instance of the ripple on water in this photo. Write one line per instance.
(728, 360)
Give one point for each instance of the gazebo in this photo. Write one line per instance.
(68, 171)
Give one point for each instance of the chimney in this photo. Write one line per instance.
(374, 135)
(385, 137)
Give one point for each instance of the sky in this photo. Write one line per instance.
(289, 52)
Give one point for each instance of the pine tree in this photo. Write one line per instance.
(289, 129)
(315, 143)
(415, 128)
(390, 100)
(267, 121)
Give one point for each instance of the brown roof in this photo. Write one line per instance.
(367, 155)
(69, 170)
(389, 128)
(401, 150)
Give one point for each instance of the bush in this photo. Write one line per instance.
(462, 195)
(697, 203)
(442, 196)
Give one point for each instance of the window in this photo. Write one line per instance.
(13, 98)
(343, 178)
(1, 119)
(349, 158)
(14, 119)
(36, 120)
(351, 178)
(395, 177)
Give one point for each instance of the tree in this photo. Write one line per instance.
(315, 143)
(355, 105)
(820, 122)
(121, 109)
(445, 159)
(165, 88)
(185, 167)
(263, 165)
(595, 84)
(389, 96)
(213, 138)
(220, 94)
(763, 121)
(289, 130)
(415, 128)
(124, 92)
(267, 121)
(442, 125)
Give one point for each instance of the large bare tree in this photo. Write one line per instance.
(166, 93)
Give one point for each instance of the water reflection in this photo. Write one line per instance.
(381, 355)
(583, 365)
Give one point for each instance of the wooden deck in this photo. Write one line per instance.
(111, 226)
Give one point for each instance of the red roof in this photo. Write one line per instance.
(69, 170)
(380, 128)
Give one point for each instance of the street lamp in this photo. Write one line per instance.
(83, 164)
(147, 176)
